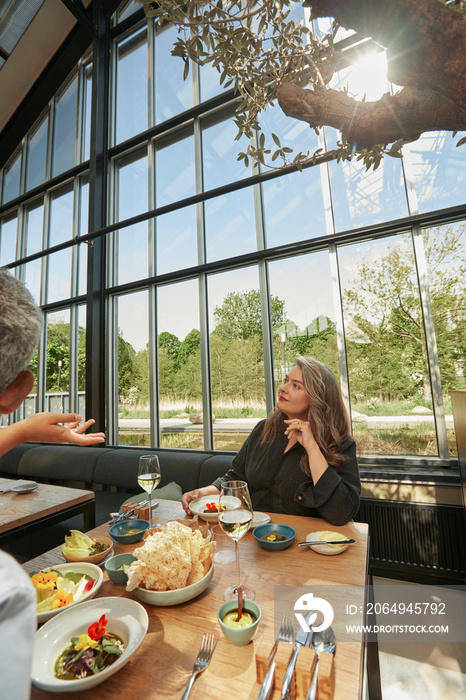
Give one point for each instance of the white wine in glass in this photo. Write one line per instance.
(149, 477)
(235, 518)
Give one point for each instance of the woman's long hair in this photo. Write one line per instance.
(326, 414)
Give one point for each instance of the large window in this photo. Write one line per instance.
(217, 276)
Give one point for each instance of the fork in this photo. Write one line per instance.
(285, 634)
(202, 661)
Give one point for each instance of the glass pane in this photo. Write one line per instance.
(128, 10)
(445, 248)
(131, 87)
(230, 225)
(64, 134)
(133, 368)
(303, 317)
(34, 224)
(61, 217)
(132, 241)
(87, 113)
(176, 240)
(175, 176)
(83, 247)
(363, 197)
(236, 354)
(210, 82)
(61, 229)
(132, 187)
(220, 154)
(385, 343)
(8, 233)
(173, 95)
(293, 204)
(59, 276)
(11, 180)
(32, 279)
(179, 355)
(57, 383)
(37, 156)
(82, 359)
(438, 168)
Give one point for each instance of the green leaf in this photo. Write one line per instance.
(461, 141)
(277, 140)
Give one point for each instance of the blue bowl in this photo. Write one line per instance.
(279, 529)
(118, 530)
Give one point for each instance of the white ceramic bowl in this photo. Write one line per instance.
(198, 506)
(179, 595)
(126, 618)
(91, 570)
(325, 548)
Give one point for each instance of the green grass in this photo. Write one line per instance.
(219, 412)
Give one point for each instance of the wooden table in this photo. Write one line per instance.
(24, 513)
(163, 664)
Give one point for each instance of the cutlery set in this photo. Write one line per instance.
(118, 517)
(319, 641)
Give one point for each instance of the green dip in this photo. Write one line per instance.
(247, 619)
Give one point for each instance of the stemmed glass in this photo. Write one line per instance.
(235, 518)
(149, 477)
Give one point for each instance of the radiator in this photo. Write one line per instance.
(417, 538)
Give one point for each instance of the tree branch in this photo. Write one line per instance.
(402, 116)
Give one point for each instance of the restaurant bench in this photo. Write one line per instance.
(112, 472)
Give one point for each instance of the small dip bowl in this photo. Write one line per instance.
(119, 531)
(274, 529)
(239, 636)
(114, 567)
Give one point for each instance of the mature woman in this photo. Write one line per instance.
(301, 460)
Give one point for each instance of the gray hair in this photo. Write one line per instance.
(20, 328)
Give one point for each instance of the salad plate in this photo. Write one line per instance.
(206, 507)
(125, 618)
(89, 571)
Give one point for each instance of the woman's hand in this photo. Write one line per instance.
(197, 493)
(302, 432)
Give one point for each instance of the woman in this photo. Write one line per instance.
(302, 459)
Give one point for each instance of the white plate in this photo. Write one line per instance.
(126, 618)
(198, 506)
(25, 488)
(260, 519)
(324, 548)
(80, 568)
(179, 595)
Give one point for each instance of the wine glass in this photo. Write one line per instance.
(235, 518)
(149, 477)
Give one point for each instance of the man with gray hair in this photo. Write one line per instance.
(20, 328)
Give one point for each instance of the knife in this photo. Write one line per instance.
(301, 544)
(303, 639)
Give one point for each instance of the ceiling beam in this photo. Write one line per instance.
(77, 8)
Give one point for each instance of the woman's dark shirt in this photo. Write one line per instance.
(277, 483)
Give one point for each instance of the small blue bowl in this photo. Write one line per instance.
(279, 529)
(114, 567)
(118, 530)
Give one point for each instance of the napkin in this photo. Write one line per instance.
(6, 488)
